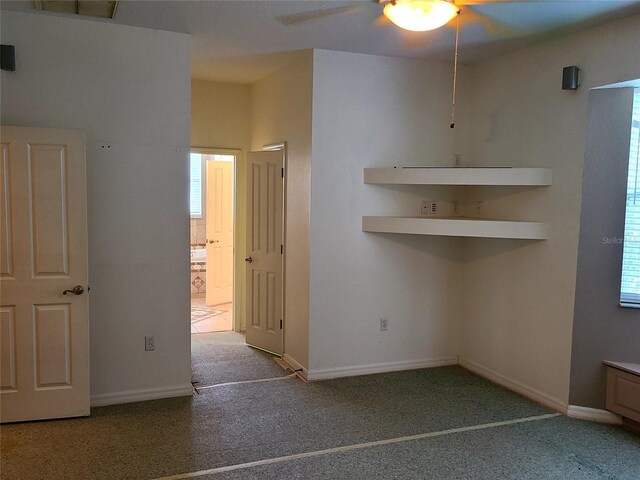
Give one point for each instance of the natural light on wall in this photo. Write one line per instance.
(630, 285)
(420, 15)
(195, 186)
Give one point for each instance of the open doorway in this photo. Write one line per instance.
(237, 257)
(212, 186)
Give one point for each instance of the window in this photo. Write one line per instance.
(630, 285)
(196, 191)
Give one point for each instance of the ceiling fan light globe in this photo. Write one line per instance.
(420, 15)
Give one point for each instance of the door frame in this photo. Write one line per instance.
(274, 147)
(237, 154)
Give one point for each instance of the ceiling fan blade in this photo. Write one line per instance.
(315, 15)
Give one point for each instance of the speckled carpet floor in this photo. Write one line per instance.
(223, 357)
(250, 422)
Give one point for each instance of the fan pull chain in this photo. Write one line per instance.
(455, 75)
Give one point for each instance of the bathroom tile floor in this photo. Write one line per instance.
(222, 322)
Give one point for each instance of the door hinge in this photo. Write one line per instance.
(280, 324)
(282, 172)
(281, 249)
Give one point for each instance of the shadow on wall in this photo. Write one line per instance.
(602, 330)
(449, 248)
(480, 248)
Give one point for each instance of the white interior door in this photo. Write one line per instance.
(264, 250)
(44, 334)
(219, 227)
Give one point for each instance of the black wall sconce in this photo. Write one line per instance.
(8, 57)
(570, 78)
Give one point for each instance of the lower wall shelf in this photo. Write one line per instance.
(457, 227)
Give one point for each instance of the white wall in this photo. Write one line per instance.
(221, 118)
(379, 111)
(519, 296)
(128, 88)
(281, 111)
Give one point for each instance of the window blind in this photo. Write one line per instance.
(195, 189)
(630, 284)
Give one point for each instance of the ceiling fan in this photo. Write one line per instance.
(417, 16)
(420, 15)
(414, 15)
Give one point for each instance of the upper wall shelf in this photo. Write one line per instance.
(458, 176)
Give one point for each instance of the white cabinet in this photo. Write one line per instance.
(457, 226)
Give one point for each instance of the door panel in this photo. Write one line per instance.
(44, 334)
(255, 298)
(264, 249)
(7, 348)
(253, 215)
(48, 213)
(6, 254)
(52, 354)
(272, 302)
(219, 232)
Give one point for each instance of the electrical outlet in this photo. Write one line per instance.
(149, 344)
(429, 207)
(384, 324)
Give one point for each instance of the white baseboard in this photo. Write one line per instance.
(593, 415)
(522, 389)
(141, 395)
(355, 370)
(295, 366)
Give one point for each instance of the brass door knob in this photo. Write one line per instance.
(248, 260)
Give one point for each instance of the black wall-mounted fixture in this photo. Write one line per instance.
(8, 57)
(570, 78)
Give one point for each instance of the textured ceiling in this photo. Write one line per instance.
(243, 40)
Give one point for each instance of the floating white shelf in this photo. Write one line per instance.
(459, 176)
(456, 227)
